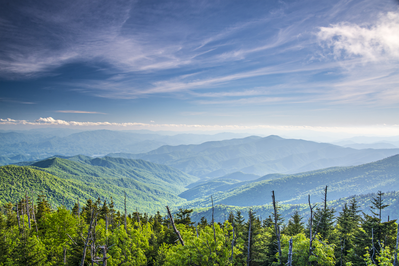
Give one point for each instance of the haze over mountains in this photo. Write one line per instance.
(32, 145)
(258, 156)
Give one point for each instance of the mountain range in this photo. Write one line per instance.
(238, 172)
(33, 145)
(258, 156)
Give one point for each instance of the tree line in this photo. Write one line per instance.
(95, 233)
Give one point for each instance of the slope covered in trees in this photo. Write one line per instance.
(75, 181)
(342, 181)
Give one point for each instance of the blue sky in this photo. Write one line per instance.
(326, 66)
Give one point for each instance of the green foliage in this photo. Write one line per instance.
(206, 249)
(149, 186)
(322, 253)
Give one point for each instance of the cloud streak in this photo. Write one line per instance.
(78, 112)
(49, 121)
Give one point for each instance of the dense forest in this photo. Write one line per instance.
(95, 233)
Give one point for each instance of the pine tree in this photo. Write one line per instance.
(183, 217)
(295, 225)
(377, 205)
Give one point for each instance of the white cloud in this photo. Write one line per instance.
(383, 130)
(379, 41)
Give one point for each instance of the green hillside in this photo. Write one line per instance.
(107, 169)
(149, 187)
(222, 211)
(342, 181)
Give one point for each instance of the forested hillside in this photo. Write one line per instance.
(148, 186)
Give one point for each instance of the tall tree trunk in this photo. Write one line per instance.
(125, 214)
(276, 226)
(290, 253)
(174, 227)
(395, 263)
(310, 228)
(249, 238)
(87, 239)
(19, 225)
(27, 209)
(213, 226)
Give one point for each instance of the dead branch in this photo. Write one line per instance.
(174, 227)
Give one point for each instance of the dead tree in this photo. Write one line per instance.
(174, 227)
(88, 237)
(249, 237)
(19, 225)
(232, 245)
(27, 209)
(372, 244)
(290, 254)
(276, 226)
(125, 214)
(310, 227)
(395, 263)
(213, 226)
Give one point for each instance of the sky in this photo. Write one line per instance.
(255, 66)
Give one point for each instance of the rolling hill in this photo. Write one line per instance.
(149, 187)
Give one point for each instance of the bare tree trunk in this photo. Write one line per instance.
(249, 238)
(87, 239)
(275, 226)
(27, 209)
(372, 244)
(34, 218)
(232, 246)
(65, 251)
(174, 227)
(23, 217)
(310, 228)
(104, 255)
(19, 226)
(290, 254)
(395, 263)
(125, 214)
(213, 226)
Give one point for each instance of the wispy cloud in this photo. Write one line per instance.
(15, 101)
(78, 112)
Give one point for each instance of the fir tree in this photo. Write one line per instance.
(295, 225)
(377, 205)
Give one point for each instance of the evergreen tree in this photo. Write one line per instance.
(377, 205)
(295, 225)
(183, 217)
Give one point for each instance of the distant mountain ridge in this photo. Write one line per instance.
(258, 156)
(34, 145)
(294, 189)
